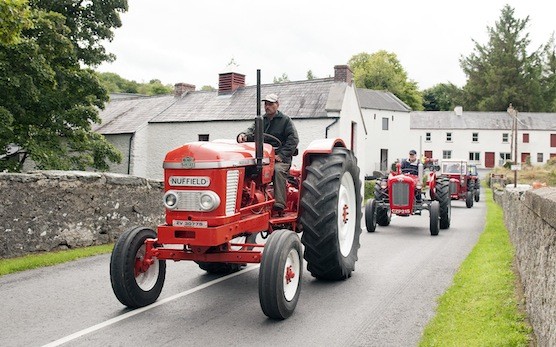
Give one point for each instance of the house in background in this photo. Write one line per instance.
(145, 129)
(388, 121)
(485, 138)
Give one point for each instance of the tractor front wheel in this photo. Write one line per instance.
(469, 199)
(370, 215)
(477, 194)
(330, 213)
(280, 274)
(136, 282)
(434, 214)
(443, 197)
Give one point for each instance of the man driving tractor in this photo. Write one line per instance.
(411, 165)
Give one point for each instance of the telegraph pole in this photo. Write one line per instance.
(513, 113)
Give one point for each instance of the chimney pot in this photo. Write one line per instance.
(181, 88)
(458, 110)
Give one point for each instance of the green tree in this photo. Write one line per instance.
(14, 17)
(383, 71)
(502, 71)
(281, 79)
(548, 80)
(208, 88)
(90, 23)
(49, 102)
(442, 97)
(310, 75)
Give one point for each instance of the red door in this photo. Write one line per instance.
(524, 156)
(428, 154)
(489, 159)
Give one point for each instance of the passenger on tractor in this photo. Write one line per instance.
(280, 126)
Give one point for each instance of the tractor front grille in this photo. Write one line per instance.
(232, 185)
(400, 194)
(453, 187)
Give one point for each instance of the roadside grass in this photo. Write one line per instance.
(33, 261)
(481, 307)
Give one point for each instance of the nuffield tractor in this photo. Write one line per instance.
(219, 197)
(464, 185)
(402, 194)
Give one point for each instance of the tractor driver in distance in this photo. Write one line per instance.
(279, 125)
(411, 165)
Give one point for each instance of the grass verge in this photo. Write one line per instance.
(481, 307)
(33, 261)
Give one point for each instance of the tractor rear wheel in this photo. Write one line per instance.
(330, 214)
(135, 283)
(370, 215)
(280, 274)
(443, 197)
(469, 199)
(383, 216)
(434, 214)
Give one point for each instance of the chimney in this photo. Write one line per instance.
(181, 88)
(458, 110)
(228, 82)
(342, 73)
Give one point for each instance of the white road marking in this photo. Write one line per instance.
(146, 308)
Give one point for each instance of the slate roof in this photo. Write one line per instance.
(302, 99)
(380, 100)
(481, 120)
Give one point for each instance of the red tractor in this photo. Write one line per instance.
(402, 194)
(219, 197)
(463, 185)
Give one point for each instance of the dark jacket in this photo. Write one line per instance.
(281, 127)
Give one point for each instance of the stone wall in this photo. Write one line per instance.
(51, 210)
(530, 217)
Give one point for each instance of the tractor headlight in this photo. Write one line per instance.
(170, 200)
(383, 184)
(209, 201)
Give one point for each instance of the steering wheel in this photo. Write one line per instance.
(273, 140)
(409, 171)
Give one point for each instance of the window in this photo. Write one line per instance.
(446, 154)
(428, 137)
(525, 138)
(474, 156)
(384, 123)
(448, 138)
(540, 158)
(475, 137)
(505, 137)
(203, 137)
(504, 157)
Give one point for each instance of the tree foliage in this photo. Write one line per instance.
(502, 71)
(114, 83)
(442, 97)
(383, 71)
(48, 101)
(14, 17)
(281, 79)
(90, 23)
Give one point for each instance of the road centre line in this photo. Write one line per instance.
(146, 308)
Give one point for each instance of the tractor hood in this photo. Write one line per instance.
(216, 154)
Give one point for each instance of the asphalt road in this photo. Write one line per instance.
(390, 298)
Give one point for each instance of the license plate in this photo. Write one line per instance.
(401, 211)
(190, 223)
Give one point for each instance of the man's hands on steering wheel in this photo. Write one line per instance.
(272, 140)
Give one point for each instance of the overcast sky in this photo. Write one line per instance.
(192, 41)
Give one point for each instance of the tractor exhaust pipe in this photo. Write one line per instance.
(259, 127)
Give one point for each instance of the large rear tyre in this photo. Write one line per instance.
(280, 274)
(135, 283)
(443, 197)
(370, 215)
(330, 214)
(383, 216)
(469, 199)
(434, 214)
